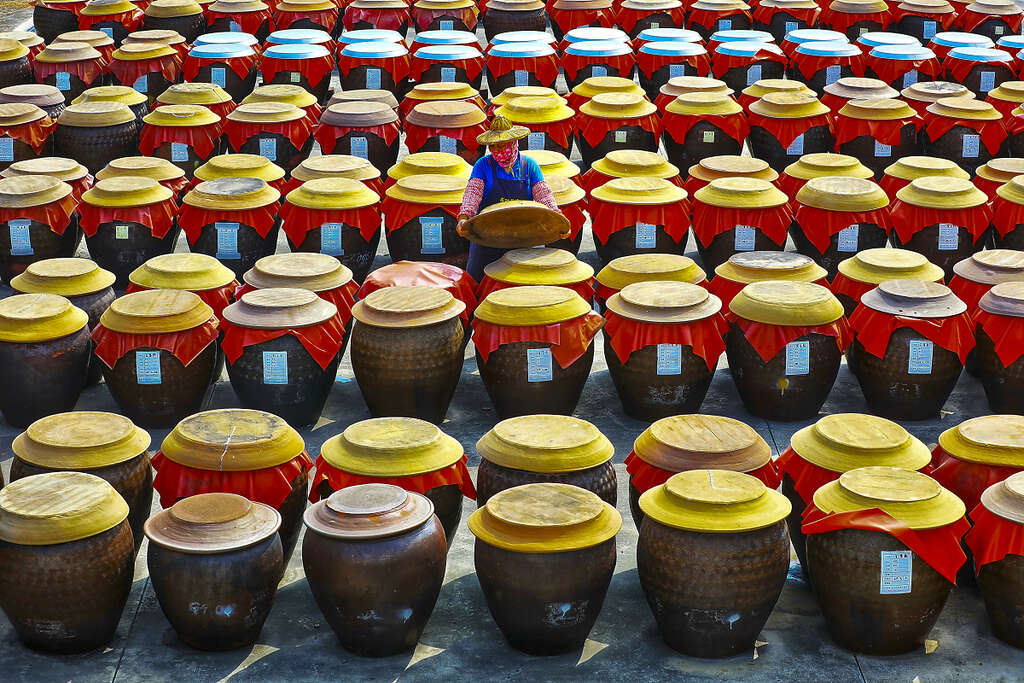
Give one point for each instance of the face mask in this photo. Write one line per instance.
(505, 154)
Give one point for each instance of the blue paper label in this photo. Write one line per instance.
(646, 236)
(987, 81)
(949, 236)
(598, 70)
(791, 26)
(430, 235)
(797, 146)
(373, 79)
(848, 238)
(234, 27)
(744, 240)
(21, 238)
(675, 70)
(910, 78)
(798, 358)
(63, 80)
(882, 150)
(448, 74)
(359, 147)
(725, 24)
(535, 141)
(832, 73)
(538, 365)
(147, 367)
(919, 361)
(972, 145)
(447, 25)
(928, 28)
(108, 30)
(896, 572)
(670, 359)
(6, 149)
(330, 239)
(268, 148)
(522, 77)
(218, 76)
(227, 240)
(275, 367)
(753, 74)
(141, 84)
(447, 144)
(179, 151)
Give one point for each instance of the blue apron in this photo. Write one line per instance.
(502, 190)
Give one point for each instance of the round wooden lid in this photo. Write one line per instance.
(210, 523)
(407, 306)
(860, 432)
(391, 447)
(914, 299)
(913, 498)
(545, 505)
(300, 270)
(686, 442)
(664, 302)
(279, 308)
(58, 507)
(777, 302)
(80, 440)
(720, 487)
(30, 318)
(1006, 298)
(232, 440)
(531, 305)
(1006, 498)
(156, 311)
(545, 443)
(368, 511)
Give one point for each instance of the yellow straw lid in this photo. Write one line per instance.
(298, 270)
(639, 190)
(994, 7)
(517, 91)
(137, 52)
(545, 518)
(1006, 498)
(875, 266)
(408, 306)
(182, 270)
(232, 194)
(58, 507)
(17, 113)
(287, 93)
(163, 9)
(756, 266)
(545, 443)
(161, 36)
(927, 6)
(232, 440)
(335, 166)
(692, 442)
(193, 93)
(66, 170)
(431, 163)
(714, 501)
(877, 109)
(1012, 190)
(1001, 170)
(1008, 91)
(741, 193)
(448, 114)
(789, 105)
(111, 93)
(858, 6)
(391, 447)
(95, 115)
(539, 266)
(627, 270)
(596, 85)
(819, 164)
(964, 108)
(156, 311)
(456, 90)
(160, 170)
(332, 194)
(95, 8)
(989, 440)
(64, 276)
(720, 5)
(678, 85)
(66, 52)
(30, 318)
(664, 302)
(428, 189)
(855, 88)
(266, 112)
(26, 38)
(914, 167)
(210, 523)
(20, 192)
(535, 110)
(911, 497)
(846, 441)
(240, 166)
(779, 302)
(618, 105)
(11, 50)
(443, 4)
(731, 165)
(766, 85)
(632, 163)
(126, 192)
(564, 190)
(181, 115)
(531, 305)
(704, 104)
(938, 192)
(90, 37)
(552, 163)
(834, 193)
(80, 440)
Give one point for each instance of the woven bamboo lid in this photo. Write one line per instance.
(788, 105)
(914, 299)
(834, 193)
(545, 443)
(364, 95)
(107, 7)
(431, 163)
(95, 115)
(877, 109)
(181, 116)
(989, 440)
(335, 166)
(766, 85)
(194, 272)
(858, 6)
(913, 167)
(210, 523)
(298, 270)
(875, 266)
(992, 266)
(266, 112)
(232, 440)
(126, 192)
(333, 194)
(66, 170)
(539, 266)
(551, 163)
(690, 442)
(279, 308)
(617, 105)
(233, 6)
(240, 166)
(677, 85)
(1002, 171)
(428, 189)
(414, 306)
(741, 193)
(31, 318)
(1006, 299)
(160, 170)
(392, 447)
(535, 110)
(639, 190)
(516, 91)
(26, 38)
(442, 91)
(728, 165)
(93, 38)
(173, 8)
(994, 7)
(1012, 190)
(22, 192)
(939, 192)
(819, 164)
(964, 108)
(704, 104)
(856, 88)
(358, 114)
(913, 498)
(714, 501)
(631, 163)
(111, 93)
(19, 113)
(564, 190)
(1008, 91)
(932, 91)
(80, 440)
(530, 305)
(445, 114)
(64, 276)
(927, 6)
(33, 93)
(626, 270)
(66, 52)
(846, 441)
(232, 194)
(156, 311)
(139, 51)
(755, 266)
(595, 85)
(1006, 498)
(193, 93)
(664, 302)
(368, 511)
(776, 302)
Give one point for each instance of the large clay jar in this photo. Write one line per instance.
(369, 130)
(520, 64)
(989, 177)
(999, 316)
(407, 347)
(67, 547)
(589, 58)
(659, 61)
(819, 165)
(95, 133)
(545, 449)
(200, 274)
(186, 135)
(419, 273)
(910, 342)
(278, 131)
(685, 539)
(785, 343)
(71, 67)
(627, 270)
(209, 95)
(921, 19)
(231, 66)
(182, 16)
(375, 65)
(158, 349)
(836, 95)
(701, 125)
(247, 16)
(428, 163)
(502, 16)
(903, 171)
(44, 356)
(419, 219)
(882, 589)
(920, 96)
(544, 556)
(538, 266)
(106, 445)
(524, 367)
(149, 68)
(246, 452)
(402, 451)
(662, 342)
(1008, 214)
(967, 132)
(597, 85)
(37, 213)
(712, 168)
(867, 269)
(450, 126)
(548, 119)
(755, 266)
(836, 217)
(877, 131)
(46, 97)
(780, 17)
(979, 69)
(708, 16)
(785, 126)
(638, 215)
(732, 215)
(1006, 97)
(24, 133)
(307, 65)
(446, 63)
(944, 219)
(374, 556)
(902, 65)
(820, 64)
(333, 166)
(628, 163)
(444, 15)
(854, 17)
(53, 17)
(80, 281)
(160, 170)
(431, 92)
(614, 121)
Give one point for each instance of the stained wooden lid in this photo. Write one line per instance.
(990, 440)
(664, 302)
(714, 501)
(913, 498)
(842, 194)
(820, 164)
(210, 523)
(626, 270)
(445, 114)
(194, 272)
(298, 270)
(545, 443)
(58, 507)
(939, 192)
(64, 276)
(539, 266)
(66, 170)
(408, 306)
(80, 440)
(335, 166)
(1004, 299)
(358, 114)
(156, 311)
(846, 441)
(279, 308)
(776, 302)
(687, 442)
(755, 266)
(368, 511)
(531, 305)
(31, 318)
(232, 440)
(391, 447)
(160, 170)
(914, 299)
(875, 266)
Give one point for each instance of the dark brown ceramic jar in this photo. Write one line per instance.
(869, 268)
(503, 16)
(786, 125)
(96, 133)
(183, 16)
(419, 219)
(37, 221)
(369, 130)
(999, 316)
(46, 97)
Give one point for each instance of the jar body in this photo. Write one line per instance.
(122, 247)
(505, 374)
(649, 395)
(43, 378)
(94, 148)
(492, 478)
(407, 243)
(1002, 587)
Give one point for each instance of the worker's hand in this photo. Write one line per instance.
(460, 227)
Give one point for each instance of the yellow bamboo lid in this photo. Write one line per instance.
(11, 50)
(617, 105)
(181, 270)
(875, 266)
(80, 440)
(305, 5)
(545, 518)
(729, 166)
(240, 166)
(714, 501)
(820, 164)
(846, 441)
(335, 166)
(766, 85)
(443, 4)
(627, 270)
(298, 270)
(156, 311)
(137, 52)
(789, 105)
(693, 442)
(160, 170)
(111, 93)
(181, 115)
(58, 507)
(443, 91)
(1012, 190)
(756, 266)
(720, 5)
(834, 193)
(596, 85)
(95, 8)
(391, 447)
(192, 93)
(664, 302)
(989, 440)
(445, 114)
(1008, 91)
(678, 85)
(66, 170)
(858, 6)
(877, 109)
(332, 194)
(408, 306)
(531, 305)
(89, 37)
(914, 167)
(639, 190)
(777, 302)
(741, 193)
(95, 115)
(539, 266)
(911, 497)
(1002, 170)
(517, 91)
(232, 440)
(126, 192)
(564, 190)
(535, 110)
(287, 93)
(232, 6)
(26, 38)
(964, 108)
(428, 189)
(704, 104)
(938, 192)
(64, 276)
(232, 194)
(173, 8)
(552, 163)
(431, 163)
(67, 52)
(20, 192)
(18, 113)
(545, 443)
(633, 163)
(209, 523)
(160, 36)
(266, 112)
(30, 318)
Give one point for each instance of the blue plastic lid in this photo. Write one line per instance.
(815, 35)
(447, 53)
(446, 38)
(374, 50)
(594, 34)
(745, 48)
(980, 54)
(225, 51)
(960, 39)
(522, 50)
(909, 52)
(227, 38)
(830, 48)
(297, 51)
(672, 48)
(737, 35)
(876, 38)
(599, 48)
(675, 35)
(1011, 42)
(368, 35)
(519, 37)
(299, 36)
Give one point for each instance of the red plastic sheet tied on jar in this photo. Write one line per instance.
(627, 19)
(618, 65)
(128, 71)
(609, 218)
(248, 22)
(240, 65)
(807, 477)
(1006, 215)
(397, 213)
(733, 125)
(322, 342)
(79, 186)
(886, 132)
(425, 17)
(993, 537)
(576, 213)
(560, 132)
(74, 7)
(34, 134)
(299, 220)
(315, 69)
(969, 291)
(890, 184)
(390, 19)
(909, 219)
(722, 63)
(130, 19)
(851, 288)
(644, 476)
(808, 65)
(342, 297)
(566, 19)
(159, 217)
(217, 299)
(200, 138)
(296, 132)
(968, 20)
(820, 224)
(788, 130)
(897, 14)
(545, 67)
(270, 485)
(842, 21)
(1006, 333)
(711, 221)
(569, 340)
(593, 128)
(193, 219)
(473, 66)
(726, 289)
(874, 328)
(960, 68)
(705, 337)
(417, 136)
(87, 70)
(327, 18)
(770, 340)
(648, 63)
(426, 274)
(56, 214)
(889, 70)
(584, 288)
(456, 474)
(184, 345)
(968, 480)
(328, 136)
(809, 16)
(938, 547)
(708, 19)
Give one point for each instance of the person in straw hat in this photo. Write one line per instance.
(501, 175)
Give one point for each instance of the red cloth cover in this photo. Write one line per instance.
(33, 134)
(544, 68)
(708, 19)
(398, 67)
(842, 21)
(620, 65)
(585, 288)
(889, 70)
(969, 291)
(424, 17)
(397, 212)
(425, 273)
(1006, 215)
(769, 340)
(909, 219)
(129, 71)
(322, 342)
(710, 221)
(968, 480)
(608, 218)
(328, 136)
(788, 130)
(55, 214)
(87, 70)
(819, 225)
(315, 69)
(627, 19)
(184, 345)
(270, 485)
(577, 215)
(417, 136)
(896, 15)
(200, 138)
(705, 337)
(648, 63)
(456, 474)
(159, 217)
(808, 65)
(1006, 332)
(298, 220)
(193, 219)
(217, 299)
(968, 20)
(644, 476)
(992, 133)
(733, 125)
(886, 132)
(874, 328)
(993, 537)
(892, 184)
(250, 22)
(763, 14)
(721, 63)
(593, 129)
(593, 178)
(327, 19)
(807, 477)
(726, 289)
(297, 131)
(240, 65)
(473, 67)
(391, 19)
(130, 19)
(569, 340)
(568, 19)
(851, 288)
